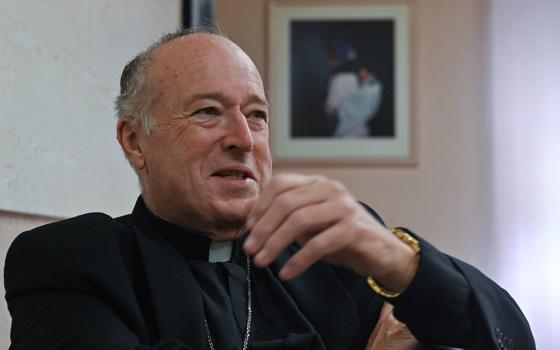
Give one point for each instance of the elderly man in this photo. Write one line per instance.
(217, 254)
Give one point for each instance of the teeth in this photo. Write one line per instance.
(233, 175)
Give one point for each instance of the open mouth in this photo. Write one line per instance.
(235, 173)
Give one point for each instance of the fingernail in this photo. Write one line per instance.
(249, 245)
(285, 273)
(260, 258)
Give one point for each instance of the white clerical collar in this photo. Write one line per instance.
(220, 251)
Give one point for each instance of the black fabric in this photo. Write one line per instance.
(191, 245)
(93, 282)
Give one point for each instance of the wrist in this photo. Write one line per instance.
(401, 268)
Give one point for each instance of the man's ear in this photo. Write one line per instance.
(128, 134)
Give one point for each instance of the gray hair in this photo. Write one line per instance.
(135, 97)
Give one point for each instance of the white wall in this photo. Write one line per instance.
(60, 63)
(525, 58)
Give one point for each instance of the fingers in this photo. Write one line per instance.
(318, 247)
(278, 185)
(386, 311)
(299, 224)
(314, 211)
(286, 207)
(324, 217)
(390, 334)
(283, 201)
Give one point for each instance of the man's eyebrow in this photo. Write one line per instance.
(259, 100)
(253, 98)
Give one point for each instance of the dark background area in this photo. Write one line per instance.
(311, 42)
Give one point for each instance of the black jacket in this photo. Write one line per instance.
(94, 282)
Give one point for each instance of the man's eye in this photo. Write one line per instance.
(211, 111)
(259, 115)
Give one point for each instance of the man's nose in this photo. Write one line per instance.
(239, 135)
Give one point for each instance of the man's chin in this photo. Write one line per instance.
(234, 211)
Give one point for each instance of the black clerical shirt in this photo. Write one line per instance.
(276, 319)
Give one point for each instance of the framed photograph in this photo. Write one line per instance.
(339, 80)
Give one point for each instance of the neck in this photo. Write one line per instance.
(224, 235)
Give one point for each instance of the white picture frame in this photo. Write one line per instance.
(302, 37)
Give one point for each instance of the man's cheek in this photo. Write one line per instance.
(266, 178)
(250, 203)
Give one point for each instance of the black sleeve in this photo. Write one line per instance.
(53, 306)
(451, 303)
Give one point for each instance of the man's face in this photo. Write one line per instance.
(364, 75)
(208, 158)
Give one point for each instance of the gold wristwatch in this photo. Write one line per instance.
(411, 242)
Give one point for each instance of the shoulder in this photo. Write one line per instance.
(84, 229)
(59, 252)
